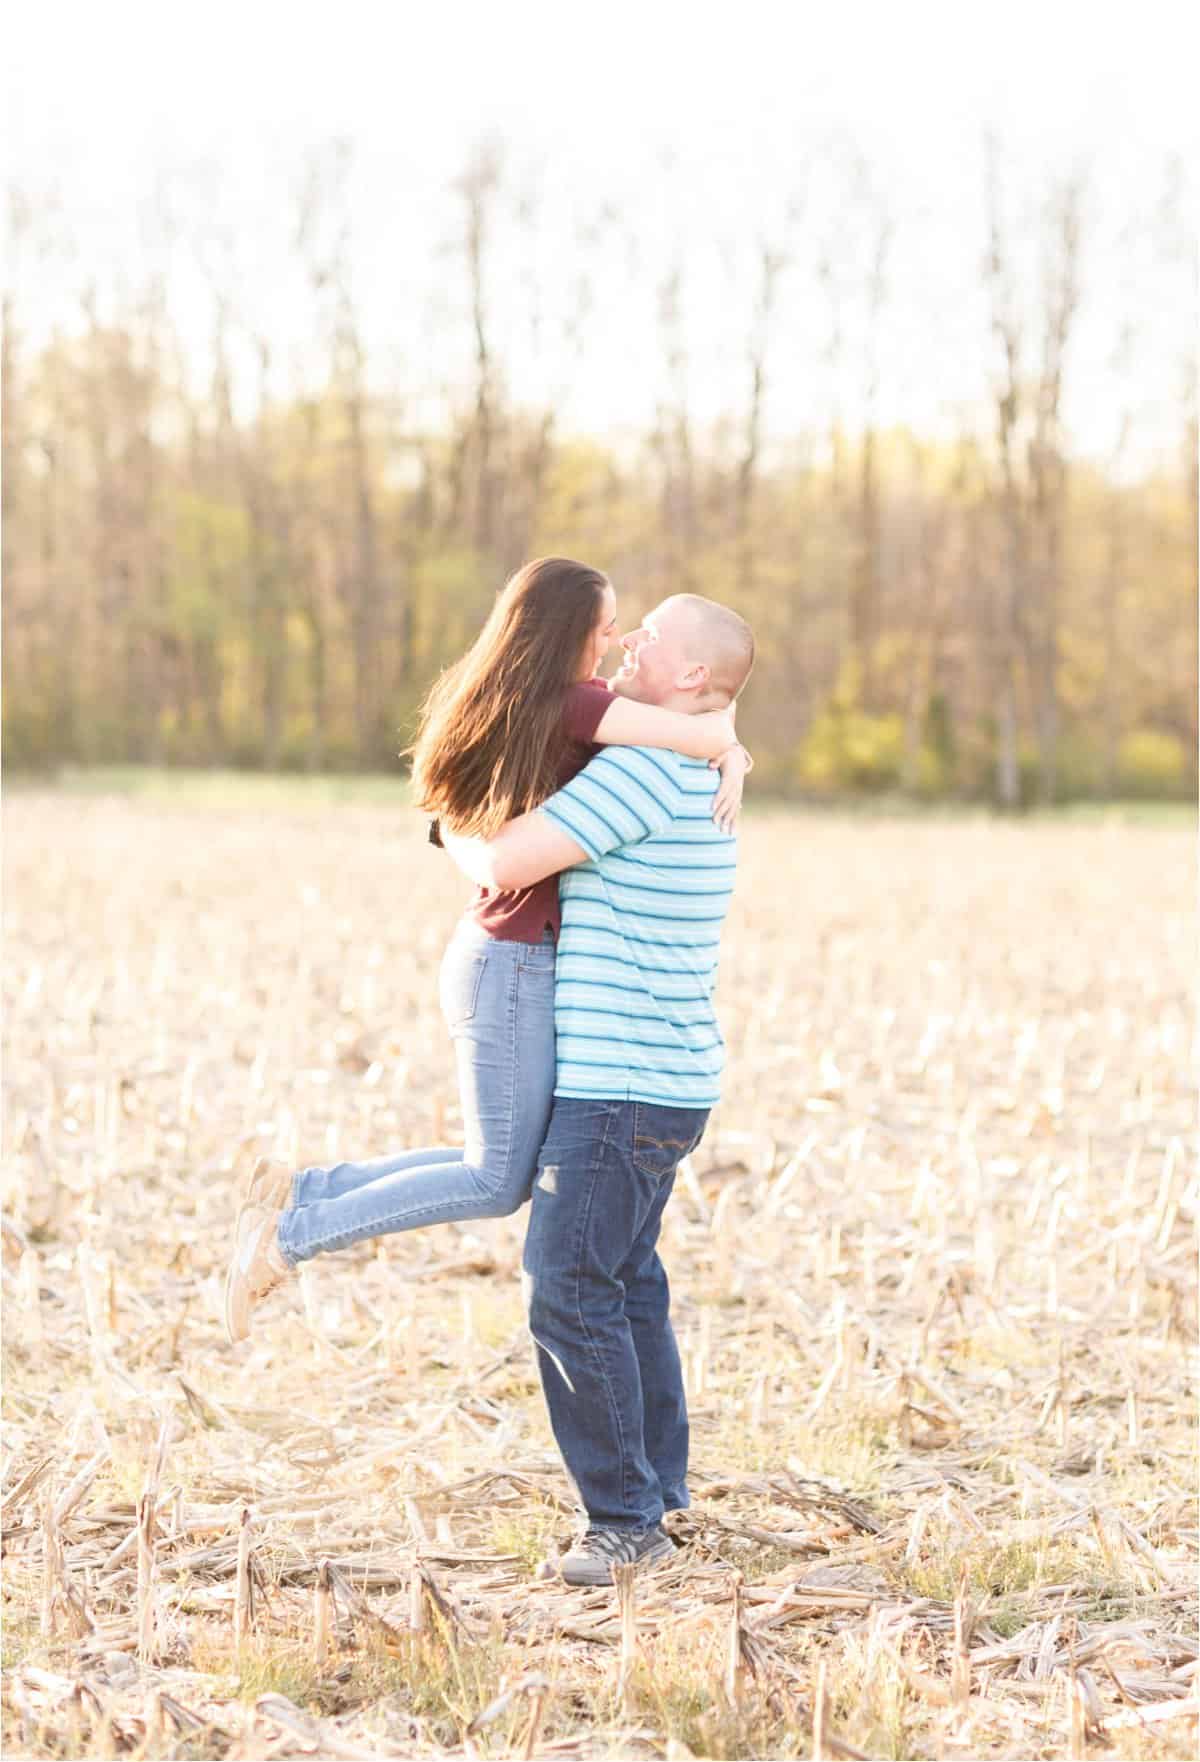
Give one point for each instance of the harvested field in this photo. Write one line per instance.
(934, 1282)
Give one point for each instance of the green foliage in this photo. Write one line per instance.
(938, 756)
(208, 558)
(32, 741)
(1079, 766)
(452, 592)
(530, 1538)
(849, 749)
(1152, 765)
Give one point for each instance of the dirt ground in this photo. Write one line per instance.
(934, 1284)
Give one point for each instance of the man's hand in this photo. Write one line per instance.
(471, 855)
(526, 850)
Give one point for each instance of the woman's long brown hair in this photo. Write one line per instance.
(490, 738)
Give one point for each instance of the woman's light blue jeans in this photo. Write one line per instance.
(498, 1001)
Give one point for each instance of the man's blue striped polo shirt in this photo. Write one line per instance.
(641, 924)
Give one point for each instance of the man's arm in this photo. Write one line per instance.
(526, 850)
(620, 797)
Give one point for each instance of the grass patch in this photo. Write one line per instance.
(221, 789)
(275, 1667)
(530, 1537)
(1004, 1569)
(678, 1687)
(225, 788)
(441, 1679)
(20, 1638)
(851, 1447)
(871, 1703)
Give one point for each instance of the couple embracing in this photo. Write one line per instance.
(596, 822)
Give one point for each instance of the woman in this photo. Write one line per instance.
(515, 719)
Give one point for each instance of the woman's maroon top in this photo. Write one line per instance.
(525, 913)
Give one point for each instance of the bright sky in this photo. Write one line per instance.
(699, 135)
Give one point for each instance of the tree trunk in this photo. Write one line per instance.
(771, 264)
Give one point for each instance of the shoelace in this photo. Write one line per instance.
(615, 1544)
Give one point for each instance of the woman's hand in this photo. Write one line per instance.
(733, 766)
(720, 724)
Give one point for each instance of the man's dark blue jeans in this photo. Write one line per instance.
(598, 1304)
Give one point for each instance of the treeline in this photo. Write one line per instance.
(200, 575)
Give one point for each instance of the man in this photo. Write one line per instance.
(646, 886)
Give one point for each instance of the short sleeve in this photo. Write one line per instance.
(583, 709)
(625, 794)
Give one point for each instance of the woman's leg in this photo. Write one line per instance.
(498, 999)
(341, 1178)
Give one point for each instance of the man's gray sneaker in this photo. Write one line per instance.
(597, 1551)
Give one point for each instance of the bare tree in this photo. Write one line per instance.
(479, 186)
(1116, 565)
(922, 550)
(1048, 471)
(866, 583)
(323, 233)
(771, 264)
(1177, 243)
(1009, 610)
(1033, 474)
(850, 271)
(672, 440)
(12, 412)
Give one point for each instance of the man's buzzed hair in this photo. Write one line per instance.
(728, 643)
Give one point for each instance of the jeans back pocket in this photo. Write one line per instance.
(663, 1136)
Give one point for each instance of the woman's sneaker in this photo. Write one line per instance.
(270, 1184)
(591, 1560)
(255, 1268)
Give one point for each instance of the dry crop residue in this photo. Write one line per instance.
(933, 1273)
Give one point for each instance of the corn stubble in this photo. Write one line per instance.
(933, 1273)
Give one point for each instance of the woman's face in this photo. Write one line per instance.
(604, 634)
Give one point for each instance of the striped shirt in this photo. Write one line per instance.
(641, 925)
